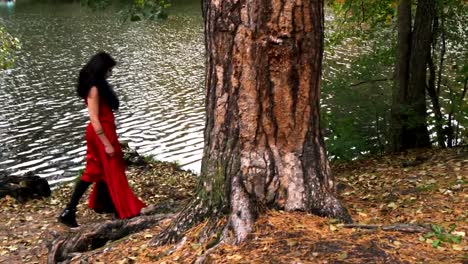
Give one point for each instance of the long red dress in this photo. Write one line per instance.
(111, 192)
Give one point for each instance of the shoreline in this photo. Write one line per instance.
(27, 228)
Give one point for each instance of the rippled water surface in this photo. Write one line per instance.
(159, 79)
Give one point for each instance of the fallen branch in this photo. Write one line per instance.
(371, 81)
(96, 236)
(405, 228)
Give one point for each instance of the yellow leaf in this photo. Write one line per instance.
(457, 247)
(12, 248)
(234, 257)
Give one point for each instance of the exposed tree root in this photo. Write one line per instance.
(223, 239)
(332, 207)
(240, 221)
(195, 212)
(95, 236)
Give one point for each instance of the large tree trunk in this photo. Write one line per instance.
(263, 144)
(416, 134)
(400, 87)
(409, 128)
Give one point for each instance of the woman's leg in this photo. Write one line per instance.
(80, 188)
(68, 216)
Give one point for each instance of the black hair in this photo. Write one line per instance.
(94, 74)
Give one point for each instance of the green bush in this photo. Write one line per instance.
(8, 45)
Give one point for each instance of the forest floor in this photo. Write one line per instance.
(426, 187)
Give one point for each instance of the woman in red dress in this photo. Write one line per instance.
(105, 166)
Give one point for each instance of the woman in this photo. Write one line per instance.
(105, 165)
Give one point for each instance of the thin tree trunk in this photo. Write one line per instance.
(263, 143)
(416, 134)
(452, 135)
(431, 90)
(400, 87)
(450, 130)
(442, 51)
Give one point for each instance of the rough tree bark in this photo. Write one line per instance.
(400, 87)
(263, 144)
(409, 112)
(416, 134)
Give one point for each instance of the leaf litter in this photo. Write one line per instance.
(422, 187)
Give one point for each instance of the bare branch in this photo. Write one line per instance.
(371, 81)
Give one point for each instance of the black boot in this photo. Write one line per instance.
(68, 217)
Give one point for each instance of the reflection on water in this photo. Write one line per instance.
(159, 79)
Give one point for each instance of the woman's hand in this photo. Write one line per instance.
(110, 150)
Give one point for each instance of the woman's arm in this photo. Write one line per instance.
(93, 109)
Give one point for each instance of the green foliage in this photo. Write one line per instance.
(134, 10)
(146, 10)
(8, 45)
(360, 47)
(96, 4)
(362, 19)
(356, 97)
(438, 235)
(358, 69)
(450, 42)
(148, 159)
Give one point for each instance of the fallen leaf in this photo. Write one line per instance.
(457, 247)
(234, 257)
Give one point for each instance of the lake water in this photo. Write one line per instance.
(159, 79)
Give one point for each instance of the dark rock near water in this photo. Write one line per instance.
(24, 188)
(30, 186)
